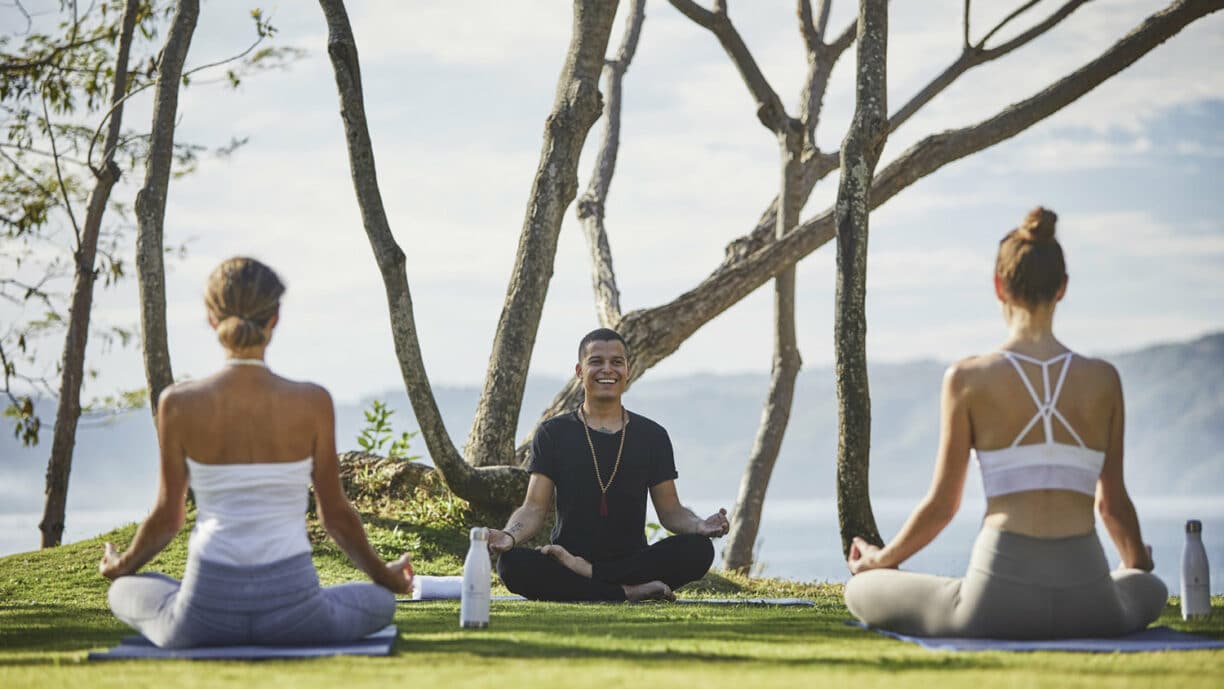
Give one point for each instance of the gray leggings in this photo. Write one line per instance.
(1017, 587)
(280, 603)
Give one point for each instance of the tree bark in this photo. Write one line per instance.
(72, 366)
(592, 205)
(775, 416)
(490, 487)
(860, 153)
(655, 333)
(151, 202)
(575, 109)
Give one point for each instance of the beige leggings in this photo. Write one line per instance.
(1017, 587)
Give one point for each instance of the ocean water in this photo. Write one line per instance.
(799, 538)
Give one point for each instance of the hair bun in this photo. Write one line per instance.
(1038, 225)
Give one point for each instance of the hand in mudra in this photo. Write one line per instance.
(499, 541)
(714, 525)
(864, 556)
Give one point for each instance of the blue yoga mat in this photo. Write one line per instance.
(140, 648)
(1150, 639)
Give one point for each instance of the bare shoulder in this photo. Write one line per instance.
(1102, 374)
(314, 396)
(181, 396)
(971, 371)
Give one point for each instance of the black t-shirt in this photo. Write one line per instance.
(560, 452)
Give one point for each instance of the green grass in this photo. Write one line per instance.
(53, 612)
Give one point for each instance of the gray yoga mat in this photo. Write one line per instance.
(1150, 639)
(139, 648)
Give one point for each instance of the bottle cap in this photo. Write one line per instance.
(480, 533)
(1194, 526)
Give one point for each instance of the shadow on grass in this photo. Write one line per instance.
(45, 629)
(650, 643)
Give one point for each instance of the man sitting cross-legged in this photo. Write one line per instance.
(597, 464)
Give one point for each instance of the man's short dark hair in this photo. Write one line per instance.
(601, 335)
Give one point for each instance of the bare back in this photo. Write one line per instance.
(1001, 407)
(247, 414)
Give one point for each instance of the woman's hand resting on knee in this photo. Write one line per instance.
(401, 575)
(864, 556)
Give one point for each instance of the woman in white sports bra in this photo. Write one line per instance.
(250, 444)
(1046, 426)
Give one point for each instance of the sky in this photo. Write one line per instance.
(457, 92)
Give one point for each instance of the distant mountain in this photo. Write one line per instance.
(1175, 432)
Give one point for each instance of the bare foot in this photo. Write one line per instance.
(651, 590)
(572, 562)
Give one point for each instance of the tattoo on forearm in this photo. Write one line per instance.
(515, 527)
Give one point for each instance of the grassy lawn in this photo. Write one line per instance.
(53, 612)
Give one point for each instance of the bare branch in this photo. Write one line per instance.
(1040, 28)
(59, 175)
(695, 12)
(813, 35)
(591, 206)
(965, 27)
(770, 110)
(999, 27)
(972, 58)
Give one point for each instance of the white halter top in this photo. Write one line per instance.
(1047, 465)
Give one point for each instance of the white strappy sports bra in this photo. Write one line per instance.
(1047, 465)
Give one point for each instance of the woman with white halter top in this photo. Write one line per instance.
(250, 444)
(1046, 426)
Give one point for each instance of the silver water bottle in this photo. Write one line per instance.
(1195, 577)
(474, 601)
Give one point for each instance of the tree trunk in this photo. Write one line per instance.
(860, 153)
(491, 488)
(576, 107)
(72, 366)
(746, 518)
(151, 202)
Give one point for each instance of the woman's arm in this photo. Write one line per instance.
(943, 498)
(528, 518)
(166, 518)
(336, 513)
(1112, 501)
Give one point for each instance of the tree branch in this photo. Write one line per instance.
(592, 204)
(999, 27)
(770, 110)
(59, 175)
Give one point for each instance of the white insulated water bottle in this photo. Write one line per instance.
(474, 601)
(1195, 578)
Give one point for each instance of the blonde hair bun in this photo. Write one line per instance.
(1038, 225)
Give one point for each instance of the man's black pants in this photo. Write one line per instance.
(675, 561)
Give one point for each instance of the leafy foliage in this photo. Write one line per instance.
(377, 434)
(56, 74)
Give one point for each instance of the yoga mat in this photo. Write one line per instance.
(140, 648)
(425, 587)
(683, 601)
(1150, 639)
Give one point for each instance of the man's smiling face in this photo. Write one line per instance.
(603, 370)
